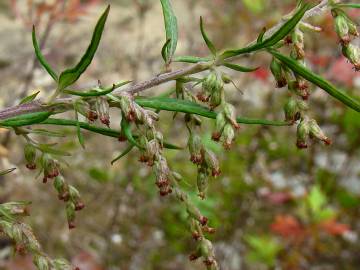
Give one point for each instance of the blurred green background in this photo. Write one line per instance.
(274, 206)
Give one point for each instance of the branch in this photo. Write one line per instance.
(66, 103)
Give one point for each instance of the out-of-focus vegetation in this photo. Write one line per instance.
(274, 206)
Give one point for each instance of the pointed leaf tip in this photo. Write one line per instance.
(41, 57)
(70, 76)
(208, 42)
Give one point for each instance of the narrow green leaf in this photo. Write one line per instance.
(348, 5)
(126, 151)
(95, 92)
(7, 171)
(29, 98)
(67, 122)
(48, 149)
(172, 146)
(261, 35)
(171, 29)
(238, 67)
(25, 119)
(49, 133)
(126, 129)
(100, 130)
(176, 105)
(164, 48)
(41, 57)
(191, 59)
(272, 40)
(78, 131)
(206, 38)
(69, 76)
(318, 80)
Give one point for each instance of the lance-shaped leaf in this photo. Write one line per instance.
(25, 119)
(348, 5)
(69, 76)
(29, 98)
(191, 59)
(177, 105)
(317, 80)
(48, 133)
(171, 29)
(95, 92)
(206, 38)
(41, 57)
(126, 129)
(100, 130)
(238, 67)
(261, 35)
(78, 131)
(126, 151)
(164, 50)
(50, 150)
(281, 33)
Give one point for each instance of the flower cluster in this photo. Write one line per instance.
(346, 29)
(51, 170)
(24, 238)
(149, 141)
(309, 129)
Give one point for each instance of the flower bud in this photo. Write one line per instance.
(352, 53)
(153, 149)
(162, 173)
(215, 99)
(226, 78)
(70, 214)
(207, 252)
(291, 110)
(196, 149)
(41, 262)
(342, 28)
(32, 243)
(278, 73)
(303, 131)
(352, 27)
(30, 156)
(298, 40)
(300, 88)
(230, 114)
(50, 166)
(228, 135)
(75, 198)
(220, 124)
(194, 212)
(102, 108)
(84, 109)
(14, 209)
(6, 228)
(127, 107)
(61, 264)
(62, 188)
(212, 162)
(210, 83)
(202, 182)
(316, 132)
(16, 233)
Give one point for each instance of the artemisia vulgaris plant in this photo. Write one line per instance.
(194, 97)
